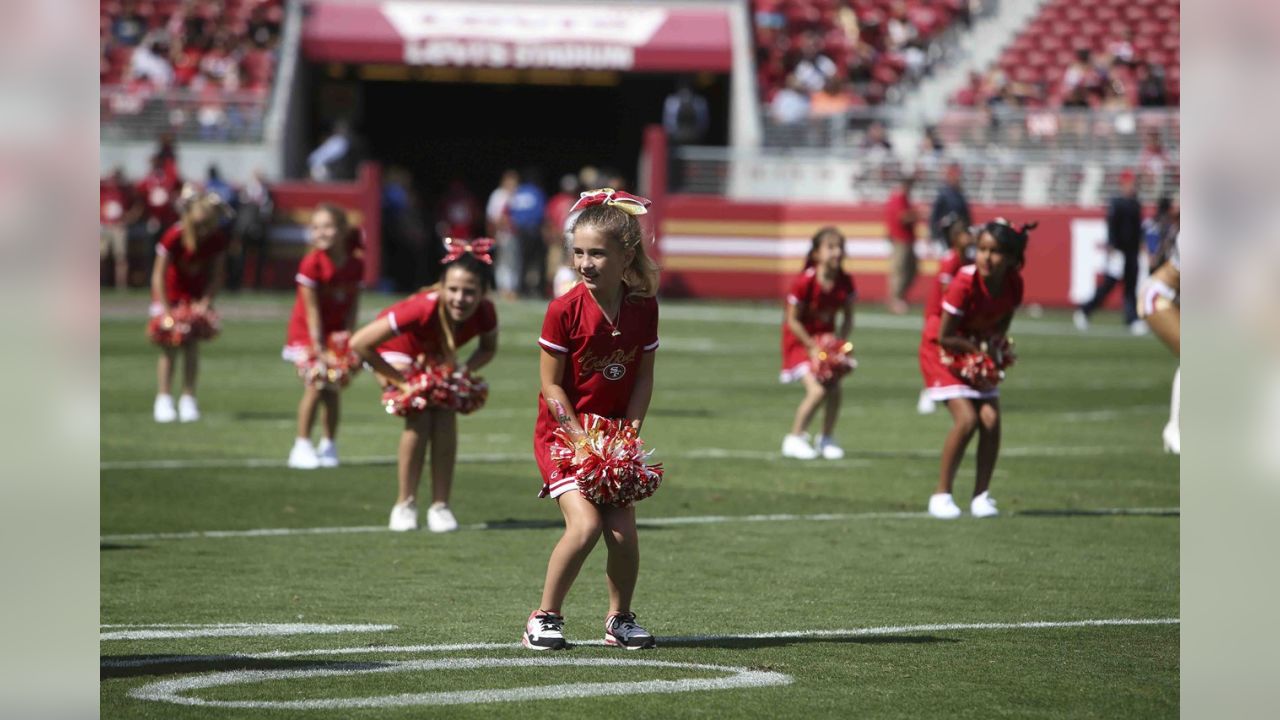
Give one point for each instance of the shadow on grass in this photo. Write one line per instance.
(129, 666)
(681, 412)
(515, 524)
(1107, 512)
(750, 643)
(119, 546)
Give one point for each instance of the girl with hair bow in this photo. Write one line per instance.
(423, 335)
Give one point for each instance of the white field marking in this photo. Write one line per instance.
(168, 632)
(642, 522)
(171, 691)
(662, 641)
(706, 453)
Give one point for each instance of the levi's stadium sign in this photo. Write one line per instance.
(609, 36)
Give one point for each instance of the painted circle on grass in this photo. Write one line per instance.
(174, 691)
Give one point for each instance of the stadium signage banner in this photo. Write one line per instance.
(537, 36)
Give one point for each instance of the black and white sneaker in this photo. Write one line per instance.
(544, 631)
(621, 630)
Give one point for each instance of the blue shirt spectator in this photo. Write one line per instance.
(527, 206)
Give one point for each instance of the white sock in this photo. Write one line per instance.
(302, 441)
(1175, 402)
(325, 443)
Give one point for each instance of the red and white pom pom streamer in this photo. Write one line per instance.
(182, 324)
(334, 367)
(835, 358)
(976, 368)
(437, 386)
(608, 463)
(1002, 351)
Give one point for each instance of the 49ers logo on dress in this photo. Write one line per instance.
(612, 365)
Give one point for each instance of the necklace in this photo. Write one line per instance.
(613, 324)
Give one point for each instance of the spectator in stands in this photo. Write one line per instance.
(553, 231)
(833, 100)
(331, 159)
(262, 30)
(1152, 160)
(158, 192)
(790, 105)
(1122, 47)
(215, 184)
(1074, 87)
(1150, 81)
(256, 209)
(527, 210)
(900, 220)
(813, 68)
(151, 61)
(971, 93)
(498, 227)
(128, 28)
(118, 209)
(875, 143)
(1124, 236)
(950, 202)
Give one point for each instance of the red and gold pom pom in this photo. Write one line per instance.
(835, 358)
(182, 324)
(335, 367)
(437, 386)
(608, 463)
(977, 369)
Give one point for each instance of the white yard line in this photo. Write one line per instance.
(650, 522)
(182, 631)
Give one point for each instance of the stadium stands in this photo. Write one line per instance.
(200, 69)
(1087, 53)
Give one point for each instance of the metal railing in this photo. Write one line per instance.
(856, 176)
(142, 114)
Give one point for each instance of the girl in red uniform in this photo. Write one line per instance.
(598, 343)
(328, 294)
(428, 329)
(977, 308)
(817, 295)
(1159, 303)
(189, 270)
(959, 253)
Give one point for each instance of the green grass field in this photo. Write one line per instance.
(829, 616)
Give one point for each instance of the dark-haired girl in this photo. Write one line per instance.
(428, 329)
(817, 295)
(976, 312)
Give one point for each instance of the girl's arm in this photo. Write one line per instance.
(215, 283)
(950, 340)
(158, 296)
(846, 325)
(365, 344)
(483, 354)
(797, 329)
(1002, 327)
(550, 370)
(352, 314)
(315, 330)
(638, 405)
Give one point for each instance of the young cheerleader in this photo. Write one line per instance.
(427, 330)
(328, 293)
(821, 291)
(976, 312)
(959, 253)
(1159, 305)
(189, 270)
(597, 357)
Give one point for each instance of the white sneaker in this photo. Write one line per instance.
(1081, 320)
(798, 447)
(404, 516)
(1139, 328)
(440, 519)
(925, 405)
(943, 506)
(983, 506)
(188, 411)
(1172, 436)
(164, 410)
(544, 631)
(829, 449)
(327, 453)
(303, 455)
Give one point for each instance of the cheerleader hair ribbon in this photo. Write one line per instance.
(624, 201)
(481, 248)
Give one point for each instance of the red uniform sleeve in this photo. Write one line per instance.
(651, 325)
(309, 270)
(950, 265)
(555, 329)
(409, 315)
(956, 300)
(800, 289)
(169, 241)
(488, 320)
